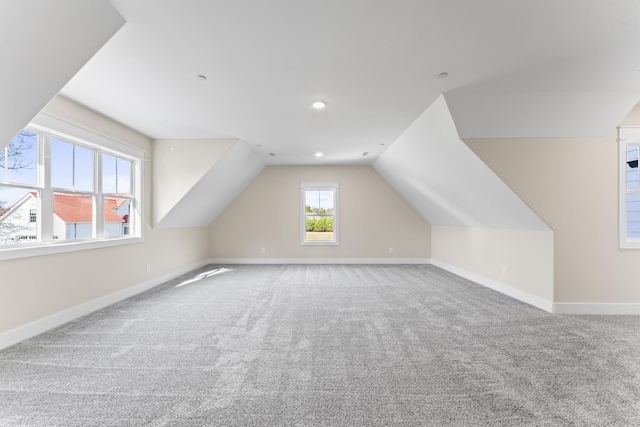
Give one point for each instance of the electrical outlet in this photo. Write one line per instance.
(263, 250)
(148, 268)
(390, 250)
(504, 271)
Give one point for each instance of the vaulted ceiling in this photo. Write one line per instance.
(250, 70)
(515, 68)
(41, 50)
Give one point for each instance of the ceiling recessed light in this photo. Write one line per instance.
(319, 154)
(201, 77)
(442, 75)
(319, 105)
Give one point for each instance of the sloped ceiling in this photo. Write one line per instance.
(580, 95)
(178, 165)
(433, 169)
(215, 190)
(515, 68)
(43, 43)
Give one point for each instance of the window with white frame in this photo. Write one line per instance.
(319, 213)
(629, 186)
(60, 183)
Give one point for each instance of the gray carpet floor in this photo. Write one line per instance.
(325, 345)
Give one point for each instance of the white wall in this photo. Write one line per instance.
(517, 262)
(373, 218)
(572, 183)
(34, 288)
(479, 225)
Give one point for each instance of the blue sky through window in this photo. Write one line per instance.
(116, 175)
(71, 168)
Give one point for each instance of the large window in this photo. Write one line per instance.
(629, 140)
(319, 225)
(66, 184)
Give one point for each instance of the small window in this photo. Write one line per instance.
(319, 224)
(32, 215)
(629, 140)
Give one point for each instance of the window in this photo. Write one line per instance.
(629, 141)
(61, 183)
(319, 223)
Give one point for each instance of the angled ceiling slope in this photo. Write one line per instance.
(199, 201)
(576, 96)
(43, 43)
(581, 84)
(514, 69)
(178, 165)
(433, 169)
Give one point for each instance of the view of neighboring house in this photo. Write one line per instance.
(72, 218)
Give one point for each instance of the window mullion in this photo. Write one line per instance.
(136, 213)
(98, 210)
(45, 205)
(5, 168)
(73, 166)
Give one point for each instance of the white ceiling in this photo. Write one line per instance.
(41, 51)
(446, 182)
(516, 68)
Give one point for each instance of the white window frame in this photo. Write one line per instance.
(50, 126)
(323, 186)
(628, 136)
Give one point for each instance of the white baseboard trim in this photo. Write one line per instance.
(596, 308)
(32, 329)
(523, 296)
(320, 261)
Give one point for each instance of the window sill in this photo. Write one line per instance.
(27, 251)
(630, 245)
(319, 243)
